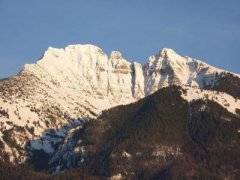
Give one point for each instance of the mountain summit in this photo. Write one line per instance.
(43, 105)
(88, 69)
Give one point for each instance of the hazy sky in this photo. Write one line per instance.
(203, 29)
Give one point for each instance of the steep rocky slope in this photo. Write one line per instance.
(162, 136)
(43, 106)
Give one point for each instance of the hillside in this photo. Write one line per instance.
(163, 136)
(79, 108)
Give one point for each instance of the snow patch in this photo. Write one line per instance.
(225, 100)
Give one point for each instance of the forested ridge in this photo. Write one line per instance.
(159, 137)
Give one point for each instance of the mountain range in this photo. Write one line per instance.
(77, 108)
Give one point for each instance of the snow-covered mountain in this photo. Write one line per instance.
(46, 101)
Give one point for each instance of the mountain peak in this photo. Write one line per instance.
(75, 49)
(76, 62)
(80, 81)
(83, 48)
(165, 52)
(116, 55)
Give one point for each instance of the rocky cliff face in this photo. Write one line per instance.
(46, 100)
(85, 69)
(168, 68)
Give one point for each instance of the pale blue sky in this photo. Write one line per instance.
(206, 29)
